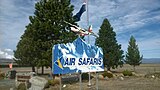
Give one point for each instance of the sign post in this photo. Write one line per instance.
(80, 81)
(89, 83)
(96, 80)
(60, 82)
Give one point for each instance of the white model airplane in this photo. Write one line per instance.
(80, 31)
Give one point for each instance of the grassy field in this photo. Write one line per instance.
(142, 69)
(139, 82)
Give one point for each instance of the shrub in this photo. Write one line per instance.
(50, 82)
(21, 86)
(85, 76)
(53, 82)
(127, 73)
(109, 75)
(2, 75)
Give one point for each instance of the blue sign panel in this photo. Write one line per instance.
(76, 57)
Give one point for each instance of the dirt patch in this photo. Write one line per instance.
(6, 84)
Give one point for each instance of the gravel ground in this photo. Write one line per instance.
(7, 84)
(129, 83)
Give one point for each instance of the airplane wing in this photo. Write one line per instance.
(74, 29)
(72, 25)
(80, 32)
(80, 29)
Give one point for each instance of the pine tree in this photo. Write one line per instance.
(46, 28)
(112, 53)
(133, 55)
(24, 53)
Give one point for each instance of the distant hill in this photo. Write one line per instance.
(151, 60)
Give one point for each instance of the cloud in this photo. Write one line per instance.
(13, 19)
(8, 50)
(1, 52)
(152, 48)
(6, 53)
(140, 18)
(137, 17)
(123, 15)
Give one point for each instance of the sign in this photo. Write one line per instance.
(76, 57)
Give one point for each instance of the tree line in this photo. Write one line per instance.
(47, 28)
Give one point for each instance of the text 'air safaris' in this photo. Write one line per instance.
(83, 61)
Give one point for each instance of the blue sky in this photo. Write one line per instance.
(140, 18)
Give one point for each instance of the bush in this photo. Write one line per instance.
(127, 73)
(109, 75)
(2, 75)
(53, 82)
(22, 86)
(85, 76)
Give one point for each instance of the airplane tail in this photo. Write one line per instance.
(90, 28)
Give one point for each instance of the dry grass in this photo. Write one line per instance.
(142, 69)
(129, 83)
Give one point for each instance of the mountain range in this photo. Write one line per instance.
(151, 60)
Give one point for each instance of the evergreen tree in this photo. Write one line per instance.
(133, 55)
(26, 50)
(112, 53)
(46, 28)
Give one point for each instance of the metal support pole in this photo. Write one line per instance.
(89, 83)
(80, 81)
(60, 82)
(96, 80)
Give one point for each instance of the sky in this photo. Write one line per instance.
(140, 18)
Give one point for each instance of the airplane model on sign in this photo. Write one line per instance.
(81, 31)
